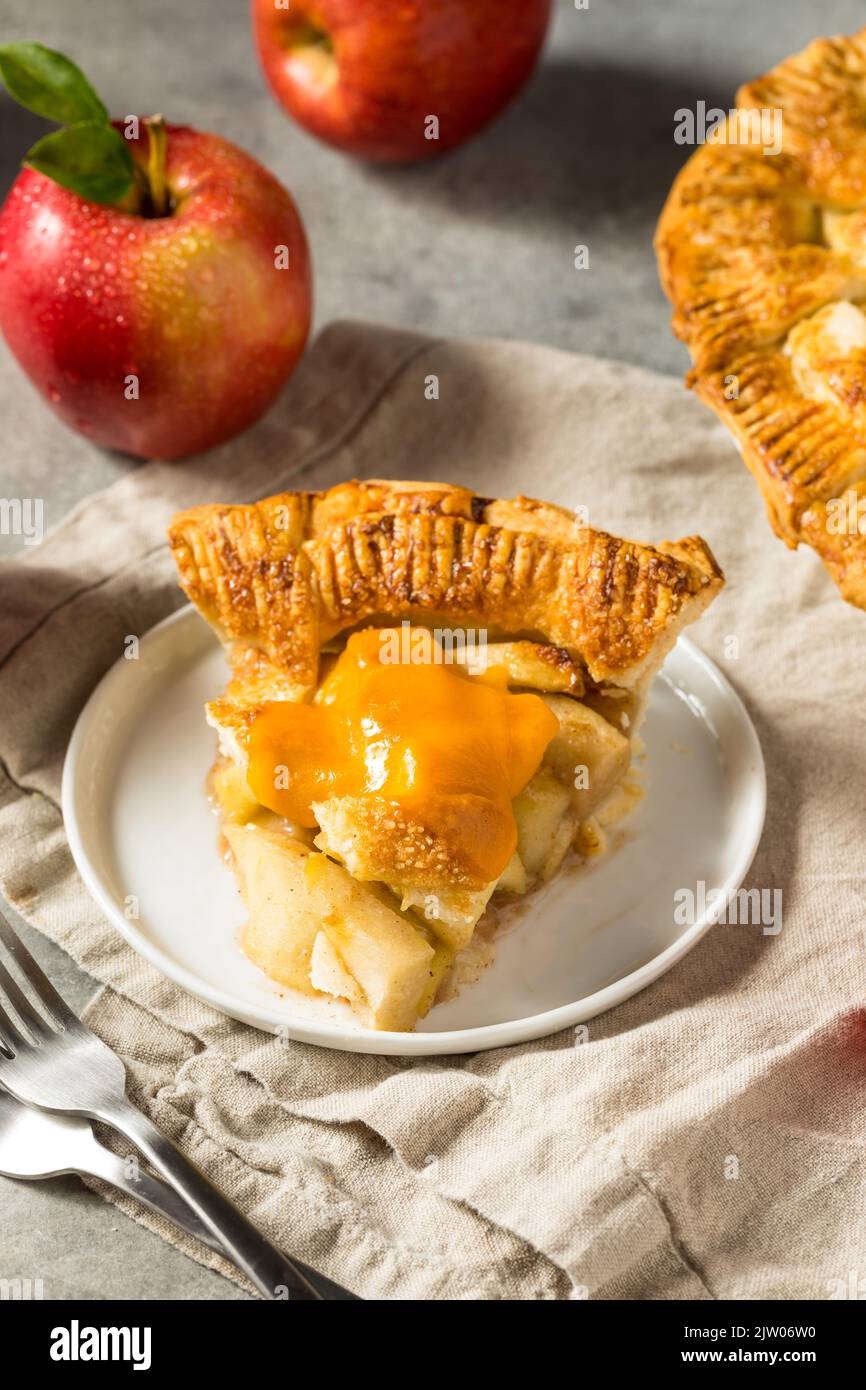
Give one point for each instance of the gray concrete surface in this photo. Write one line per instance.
(480, 243)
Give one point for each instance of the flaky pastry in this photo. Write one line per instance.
(762, 252)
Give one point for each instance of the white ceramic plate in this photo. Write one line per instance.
(140, 829)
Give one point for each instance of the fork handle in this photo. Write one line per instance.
(158, 1196)
(274, 1275)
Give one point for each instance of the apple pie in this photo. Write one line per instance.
(763, 256)
(432, 703)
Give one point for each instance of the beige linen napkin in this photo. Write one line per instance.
(707, 1140)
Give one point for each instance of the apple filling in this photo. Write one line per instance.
(371, 825)
(828, 355)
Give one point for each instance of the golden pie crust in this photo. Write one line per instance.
(763, 257)
(287, 575)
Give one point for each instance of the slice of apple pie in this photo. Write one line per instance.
(433, 697)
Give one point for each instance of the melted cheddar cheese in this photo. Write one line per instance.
(452, 748)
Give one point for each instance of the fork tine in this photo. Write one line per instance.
(24, 1008)
(58, 1009)
(9, 1035)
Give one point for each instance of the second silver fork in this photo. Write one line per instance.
(36, 1144)
(53, 1061)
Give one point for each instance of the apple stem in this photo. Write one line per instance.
(156, 164)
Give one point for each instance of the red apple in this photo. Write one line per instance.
(158, 335)
(366, 75)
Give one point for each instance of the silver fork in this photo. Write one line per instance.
(36, 1144)
(53, 1061)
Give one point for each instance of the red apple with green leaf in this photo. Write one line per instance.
(154, 280)
(397, 79)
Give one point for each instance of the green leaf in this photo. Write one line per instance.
(49, 84)
(91, 159)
